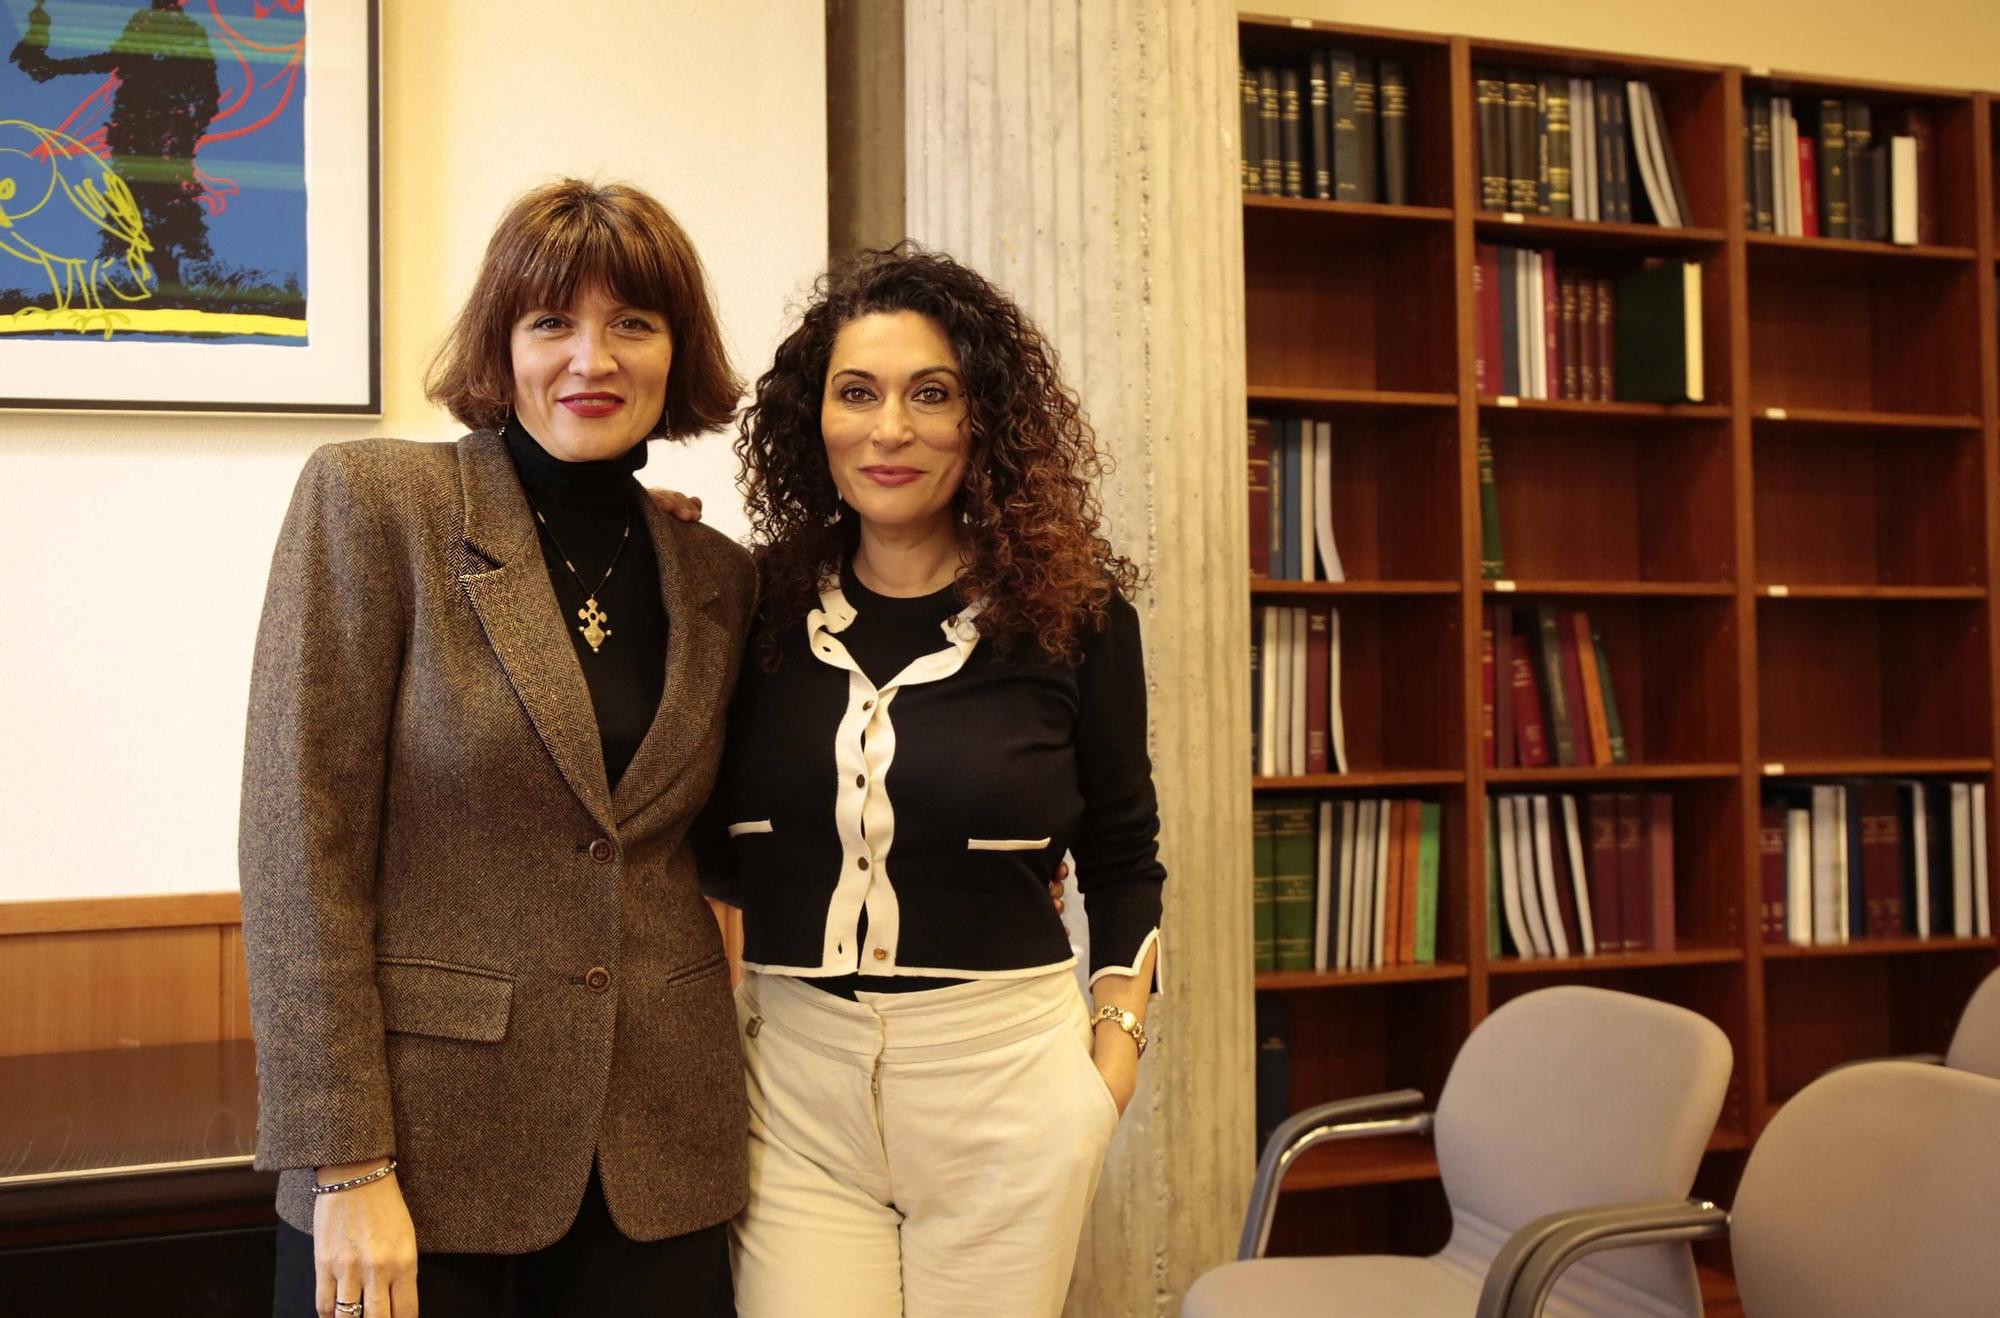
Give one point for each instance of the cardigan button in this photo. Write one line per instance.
(602, 851)
(881, 954)
(597, 979)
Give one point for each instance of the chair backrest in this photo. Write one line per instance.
(1976, 1045)
(1875, 1191)
(1577, 1097)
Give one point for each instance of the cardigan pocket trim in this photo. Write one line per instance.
(748, 826)
(443, 1001)
(1006, 843)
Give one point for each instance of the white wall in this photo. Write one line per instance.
(133, 549)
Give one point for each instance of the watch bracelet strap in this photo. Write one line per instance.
(1118, 1016)
(334, 1187)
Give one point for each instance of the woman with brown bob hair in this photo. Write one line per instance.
(946, 696)
(495, 1043)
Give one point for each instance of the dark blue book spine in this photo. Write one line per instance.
(1857, 893)
(1274, 1065)
(1937, 823)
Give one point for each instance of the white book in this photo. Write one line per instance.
(1982, 888)
(1302, 530)
(1961, 860)
(1798, 877)
(1903, 190)
(1270, 697)
(1362, 932)
(1647, 151)
(1278, 659)
(1583, 120)
(1384, 839)
(1843, 928)
(1323, 889)
(1691, 306)
(1920, 868)
(1329, 552)
(1502, 808)
(1827, 882)
(1579, 877)
(1343, 933)
(1787, 164)
(1336, 747)
(1296, 636)
(1531, 898)
(1545, 877)
(1524, 315)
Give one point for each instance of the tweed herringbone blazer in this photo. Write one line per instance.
(464, 948)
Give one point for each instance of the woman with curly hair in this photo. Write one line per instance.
(945, 694)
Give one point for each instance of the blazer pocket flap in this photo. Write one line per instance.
(444, 1002)
(747, 826)
(1006, 843)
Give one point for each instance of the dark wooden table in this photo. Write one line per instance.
(126, 1186)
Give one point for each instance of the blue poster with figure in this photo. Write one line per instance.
(153, 171)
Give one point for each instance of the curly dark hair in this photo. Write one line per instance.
(1028, 508)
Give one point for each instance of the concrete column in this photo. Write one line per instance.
(1081, 153)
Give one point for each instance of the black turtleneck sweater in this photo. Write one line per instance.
(588, 506)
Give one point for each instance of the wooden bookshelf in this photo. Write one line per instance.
(1794, 579)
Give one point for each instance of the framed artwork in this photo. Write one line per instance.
(189, 196)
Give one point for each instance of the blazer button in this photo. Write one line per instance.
(597, 979)
(602, 851)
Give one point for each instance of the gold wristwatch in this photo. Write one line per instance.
(1125, 1021)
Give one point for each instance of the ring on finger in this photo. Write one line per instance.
(351, 1308)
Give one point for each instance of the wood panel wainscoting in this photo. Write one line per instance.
(120, 972)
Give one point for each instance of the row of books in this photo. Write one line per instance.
(1873, 858)
(1568, 878)
(1291, 500)
(1336, 129)
(1295, 725)
(1546, 692)
(1345, 885)
(1832, 168)
(1569, 148)
(1547, 332)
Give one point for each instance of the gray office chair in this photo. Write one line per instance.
(1875, 1191)
(1562, 1099)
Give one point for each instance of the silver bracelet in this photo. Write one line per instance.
(375, 1175)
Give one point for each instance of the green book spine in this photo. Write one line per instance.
(1431, 821)
(1492, 566)
(1493, 948)
(1263, 874)
(1296, 875)
(1616, 729)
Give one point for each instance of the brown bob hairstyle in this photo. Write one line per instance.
(551, 244)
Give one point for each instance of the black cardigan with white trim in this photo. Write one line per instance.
(939, 803)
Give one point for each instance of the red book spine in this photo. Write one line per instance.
(1260, 496)
(1882, 860)
(1660, 867)
(1808, 187)
(1607, 374)
(1319, 668)
(1486, 289)
(1771, 872)
(1551, 328)
(1635, 901)
(1606, 887)
(1586, 338)
(1572, 366)
(1572, 674)
(1533, 737)
(1488, 738)
(1506, 753)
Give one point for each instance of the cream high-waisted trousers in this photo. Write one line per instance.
(928, 1154)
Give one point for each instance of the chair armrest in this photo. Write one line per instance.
(1528, 1266)
(1921, 1059)
(1343, 1119)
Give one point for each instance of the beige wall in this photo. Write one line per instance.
(133, 550)
(1950, 43)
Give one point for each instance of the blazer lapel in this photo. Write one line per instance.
(516, 607)
(697, 648)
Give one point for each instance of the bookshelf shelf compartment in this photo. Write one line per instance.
(1614, 963)
(1830, 1010)
(1277, 981)
(1881, 514)
(1867, 680)
(1597, 499)
(1384, 780)
(1385, 1161)
(1265, 587)
(1400, 699)
(1391, 489)
(1293, 219)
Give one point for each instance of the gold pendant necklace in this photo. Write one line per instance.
(593, 628)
